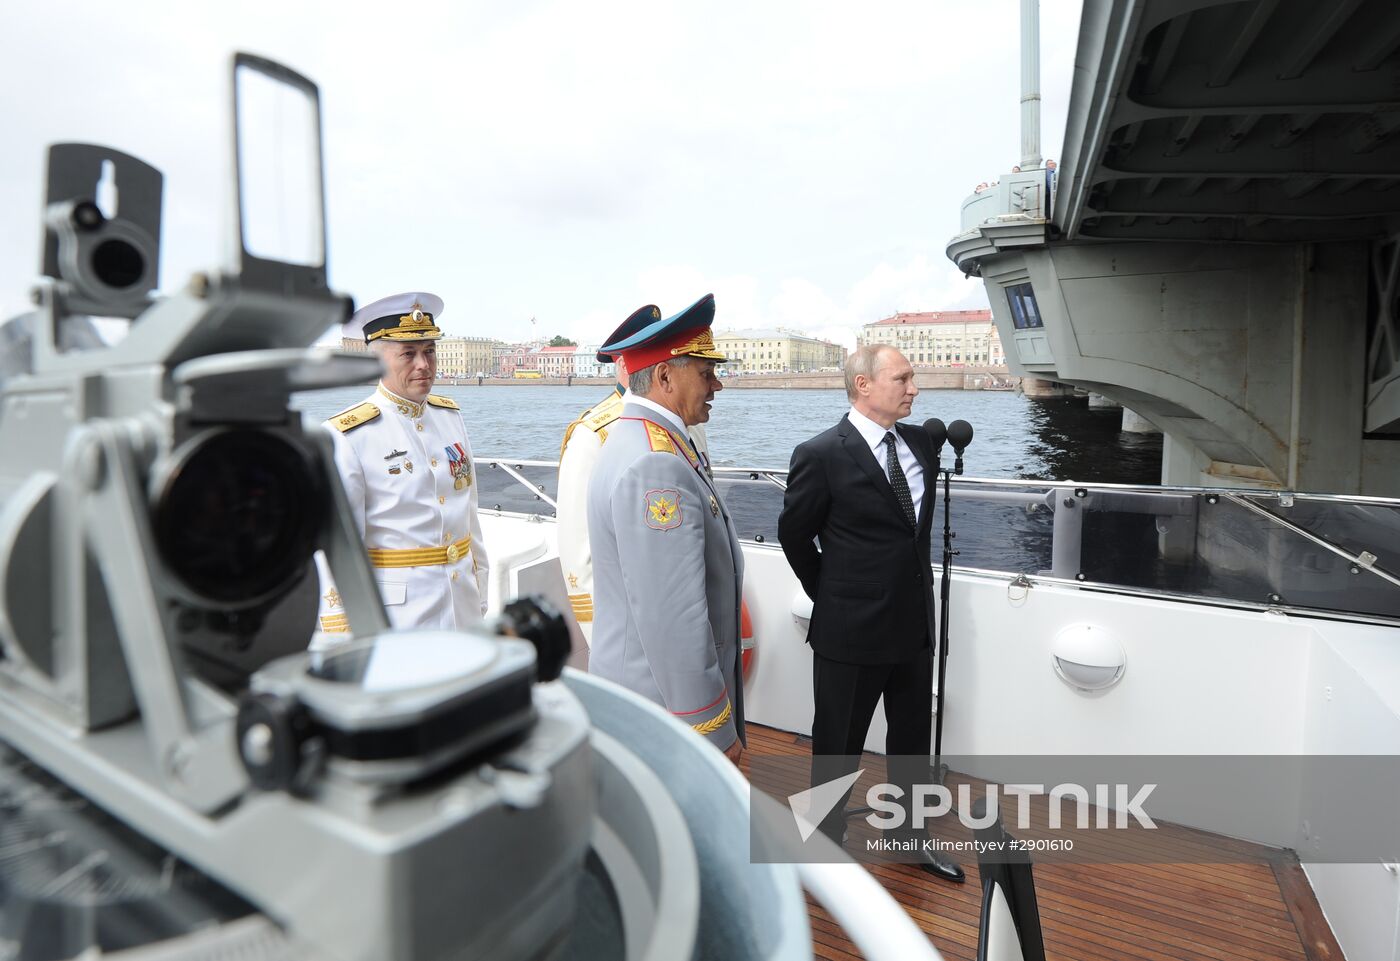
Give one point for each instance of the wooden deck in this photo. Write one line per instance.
(1257, 908)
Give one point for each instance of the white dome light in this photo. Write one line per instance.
(1087, 657)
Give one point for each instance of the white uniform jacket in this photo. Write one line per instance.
(583, 443)
(411, 482)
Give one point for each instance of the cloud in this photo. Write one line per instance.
(805, 161)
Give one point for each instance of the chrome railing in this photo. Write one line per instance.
(1244, 548)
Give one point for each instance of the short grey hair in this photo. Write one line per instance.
(639, 381)
(863, 362)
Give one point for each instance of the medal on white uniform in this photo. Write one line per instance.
(460, 466)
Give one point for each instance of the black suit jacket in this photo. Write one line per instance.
(871, 582)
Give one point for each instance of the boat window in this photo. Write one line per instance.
(1025, 312)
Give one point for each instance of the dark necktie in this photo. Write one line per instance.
(897, 481)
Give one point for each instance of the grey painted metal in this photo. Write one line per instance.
(642, 839)
(1153, 153)
(748, 909)
(1067, 540)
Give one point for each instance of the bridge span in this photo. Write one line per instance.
(1221, 249)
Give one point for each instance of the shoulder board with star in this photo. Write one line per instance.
(439, 401)
(352, 417)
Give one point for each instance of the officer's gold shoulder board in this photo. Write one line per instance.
(348, 420)
(604, 413)
(439, 401)
(660, 438)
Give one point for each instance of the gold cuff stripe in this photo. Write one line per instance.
(714, 723)
(335, 624)
(583, 607)
(421, 556)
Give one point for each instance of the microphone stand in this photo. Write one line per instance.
(944, 594)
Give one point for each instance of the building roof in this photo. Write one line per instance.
(936, 317)
(570, 349)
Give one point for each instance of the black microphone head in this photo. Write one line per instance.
(959, 434)
(936, 432)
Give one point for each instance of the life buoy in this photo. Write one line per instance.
(745, 636)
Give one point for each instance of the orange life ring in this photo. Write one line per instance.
(745, 635)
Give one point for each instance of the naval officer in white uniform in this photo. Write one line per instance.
(583, 443)
(407, 467)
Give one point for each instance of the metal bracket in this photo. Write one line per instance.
(1022, 583)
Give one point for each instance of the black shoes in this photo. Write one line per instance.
(941, 867)
(930, 861)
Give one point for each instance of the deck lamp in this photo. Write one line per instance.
(1087, 658)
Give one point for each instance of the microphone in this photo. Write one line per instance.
(959, 435)
(937, 433)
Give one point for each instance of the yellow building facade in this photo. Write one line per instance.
(769, 350)
(465, 356)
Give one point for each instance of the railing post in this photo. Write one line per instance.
(1067, 537)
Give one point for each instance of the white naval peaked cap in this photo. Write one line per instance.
(393, 317)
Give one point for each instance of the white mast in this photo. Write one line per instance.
(1030, 84)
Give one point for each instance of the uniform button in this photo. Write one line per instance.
(454, 575)
(434, 461)
(441, 499)
(419, 426)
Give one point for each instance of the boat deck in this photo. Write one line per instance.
(1257, 908)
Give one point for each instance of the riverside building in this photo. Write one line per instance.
(776, 349)
(940, 338)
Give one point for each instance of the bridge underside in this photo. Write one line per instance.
(1223, 253)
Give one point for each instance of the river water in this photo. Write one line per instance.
(1015, 437)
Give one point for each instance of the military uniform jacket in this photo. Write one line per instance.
(411, 482)
(667, 576)
(583, 443)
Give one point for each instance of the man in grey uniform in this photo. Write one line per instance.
(583, 442)
(667, 570)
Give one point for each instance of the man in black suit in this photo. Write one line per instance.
(865, 488)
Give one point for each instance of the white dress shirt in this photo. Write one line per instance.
(874, 435)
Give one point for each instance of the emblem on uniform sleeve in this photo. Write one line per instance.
(460, 465)
(663, 510)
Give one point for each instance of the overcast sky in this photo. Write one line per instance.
(804, 161)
